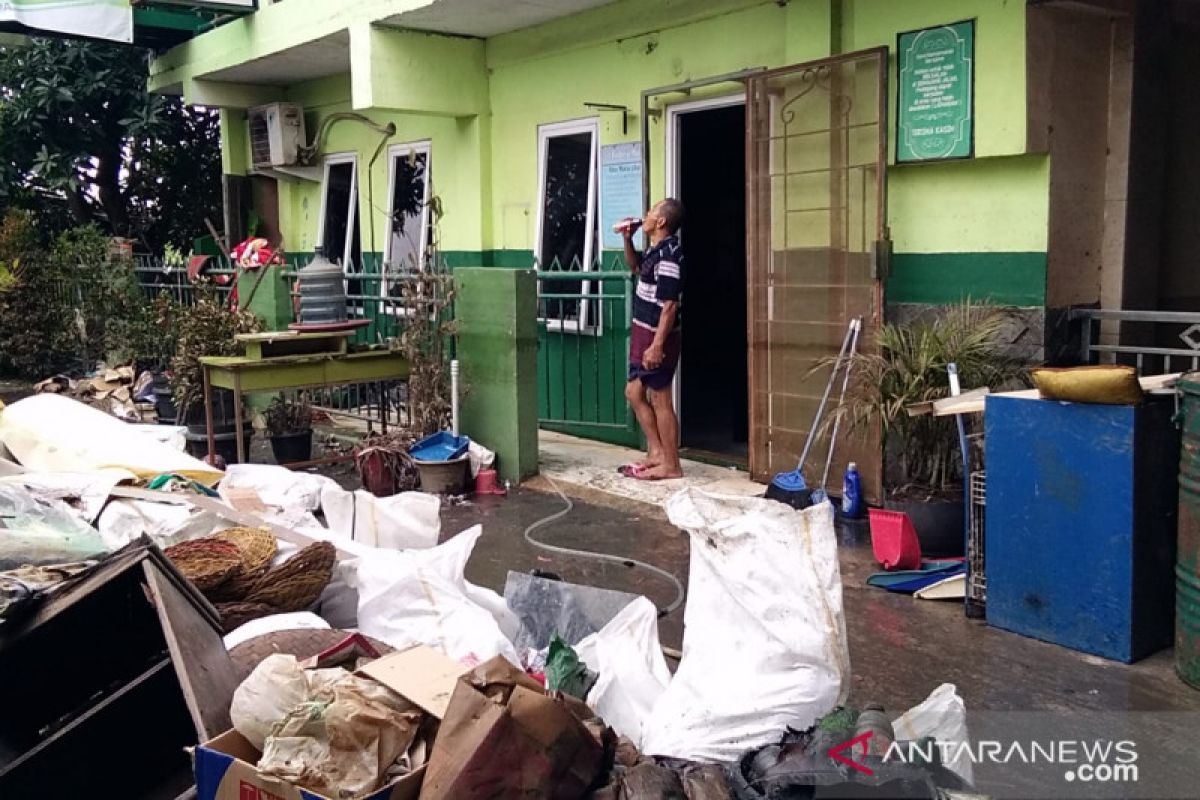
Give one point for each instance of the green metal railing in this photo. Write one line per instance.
(583, 347)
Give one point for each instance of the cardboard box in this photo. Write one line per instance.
(225, 769)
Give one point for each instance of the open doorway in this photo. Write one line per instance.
(707, 172)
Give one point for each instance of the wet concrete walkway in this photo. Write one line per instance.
(900, 648)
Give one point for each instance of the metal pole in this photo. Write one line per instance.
(812, 431)
(856, 326)
(454, 396)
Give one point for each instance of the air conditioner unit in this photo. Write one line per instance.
(276, 135)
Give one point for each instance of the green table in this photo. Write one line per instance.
(306, 371)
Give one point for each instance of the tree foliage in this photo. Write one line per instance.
(82, 141)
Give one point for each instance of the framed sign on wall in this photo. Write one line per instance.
(935, 93)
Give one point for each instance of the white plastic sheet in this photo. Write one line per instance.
(633, 673)
(38, 531)
(90, 489)
(124, 520)
(942, 715)
(277, 486)
(51, 433)
(764, 645)
(410, 597)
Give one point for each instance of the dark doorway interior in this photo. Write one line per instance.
(714, 407)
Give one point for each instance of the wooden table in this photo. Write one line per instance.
(282, 360)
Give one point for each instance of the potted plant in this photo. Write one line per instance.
(289, 426)
(207, 328)
(907, 365)
(384, 465)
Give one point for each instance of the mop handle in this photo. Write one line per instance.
(812, 432)
(856, 324)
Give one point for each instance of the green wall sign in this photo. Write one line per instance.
(936, 96)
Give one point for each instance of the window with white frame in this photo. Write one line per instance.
(566, 223)
(337, 229)
(410, 224)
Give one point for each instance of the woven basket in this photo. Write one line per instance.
(206, 562)
(258, 547)
(297, 583)
(234, 615)
(236, 588)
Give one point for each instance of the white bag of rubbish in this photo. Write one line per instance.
(633, 673)
(408, 520)
(943, 716)
(764, 644)
(410, 597)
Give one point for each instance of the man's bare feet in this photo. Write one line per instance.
(650, 461)
(661, 472)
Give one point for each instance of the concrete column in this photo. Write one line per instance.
(271, 301)
(496, 314)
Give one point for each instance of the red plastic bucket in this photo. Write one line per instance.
(894, 540)
(487, 483)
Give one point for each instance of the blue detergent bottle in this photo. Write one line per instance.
(852, 505)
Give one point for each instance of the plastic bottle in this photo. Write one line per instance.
(852, 505)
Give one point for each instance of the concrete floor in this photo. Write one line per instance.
(900, 648)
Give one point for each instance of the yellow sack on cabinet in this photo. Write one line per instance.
(52, 433)
(1110, 385)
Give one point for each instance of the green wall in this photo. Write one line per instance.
(976, 226)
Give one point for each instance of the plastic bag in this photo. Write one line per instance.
(409, 597)
(943, 716)
(35, 531)
(764, 645)
(546, 607)
(276, 686)
(633, 673)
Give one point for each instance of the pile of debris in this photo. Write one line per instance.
(430, 686)
(119, 392)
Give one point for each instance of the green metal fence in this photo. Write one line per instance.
(583, 347)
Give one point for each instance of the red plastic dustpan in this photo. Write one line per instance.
(894, 540)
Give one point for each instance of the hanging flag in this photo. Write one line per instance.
(94, 19)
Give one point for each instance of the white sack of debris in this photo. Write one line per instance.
(410, 597)
(764, 643)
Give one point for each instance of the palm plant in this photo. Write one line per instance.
(907, 366)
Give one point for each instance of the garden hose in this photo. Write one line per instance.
(622, 560)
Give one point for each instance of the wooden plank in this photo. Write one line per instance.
(305, 372)
(245, 518)
(206, 673)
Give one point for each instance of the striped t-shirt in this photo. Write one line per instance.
(660, 280)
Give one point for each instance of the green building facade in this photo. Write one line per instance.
(777, 124)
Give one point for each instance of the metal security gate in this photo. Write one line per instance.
(583, 354)
(816, 153)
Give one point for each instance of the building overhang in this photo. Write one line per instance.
(255, 58)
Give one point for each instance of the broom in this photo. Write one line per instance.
(789, 487)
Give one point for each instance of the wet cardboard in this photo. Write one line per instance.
(224, 766)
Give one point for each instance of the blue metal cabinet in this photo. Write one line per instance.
(1081, 516)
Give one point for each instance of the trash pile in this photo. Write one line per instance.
(116, 391)
(434, 687)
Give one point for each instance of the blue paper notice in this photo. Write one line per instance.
(620, 188)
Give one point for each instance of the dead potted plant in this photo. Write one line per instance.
(907, 365)
(207, 328)
(289, 427)
(384, 465)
